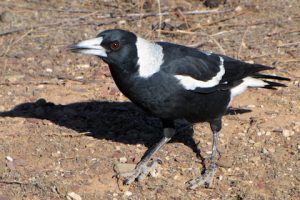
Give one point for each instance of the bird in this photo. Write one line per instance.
(171, 81)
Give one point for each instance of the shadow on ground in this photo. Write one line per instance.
(117, 121)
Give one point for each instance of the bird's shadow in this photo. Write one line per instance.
(117, 121)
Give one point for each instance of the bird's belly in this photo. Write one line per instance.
(169, 102)
(197, 107)
(163, 97)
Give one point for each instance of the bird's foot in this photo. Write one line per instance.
(205, 179)
(141, 171)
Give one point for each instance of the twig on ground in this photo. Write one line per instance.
(258, 23)
(282, 32)
(12, 5)
(214, 40)
(177, 32)
(289, 60)
(17, 30)
(197, 45)
(289, 44)
(242, 43)
(13, 182)
(131, 17)
(15, 42)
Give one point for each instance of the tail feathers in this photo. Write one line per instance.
(272, 85)
(268, 76)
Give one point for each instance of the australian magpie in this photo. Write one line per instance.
(172, 82)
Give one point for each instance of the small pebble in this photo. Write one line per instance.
(122, 22)
(123, 159)
(83, 66)
(49, 70)
(287, 133)
(121, 168)
(238, 9)
(115, 194)
(265, 151)
(118, 148)
(10, 159)
(73, 196)
(128, 193)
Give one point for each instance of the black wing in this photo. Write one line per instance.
(206, 67)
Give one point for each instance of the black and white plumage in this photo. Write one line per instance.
(172, 82)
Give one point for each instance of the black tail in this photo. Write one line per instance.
(274, 77)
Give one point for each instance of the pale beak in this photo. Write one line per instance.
(92, 47)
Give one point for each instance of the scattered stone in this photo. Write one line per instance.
(56, 154)
(73, 196)
(122, 22)
(287, 133)
(239, 8)
(128, 193)
(118, 148)
(83, 66)
(265, 151)
(115, 194)
(49, 70)
(176, 177)
(123, 159)
(8, 158)
(121, 168)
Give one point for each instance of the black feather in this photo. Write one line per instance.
(268, 76)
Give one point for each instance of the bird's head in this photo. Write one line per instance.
(114, 46)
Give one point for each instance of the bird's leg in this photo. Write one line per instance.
(206, 179)
(143, 168)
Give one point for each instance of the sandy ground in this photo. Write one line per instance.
(64, 125)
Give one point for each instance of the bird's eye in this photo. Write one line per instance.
(115, 45)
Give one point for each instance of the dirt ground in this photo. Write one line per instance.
(64, 125)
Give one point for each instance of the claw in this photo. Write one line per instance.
(205, 179)
(140, 172)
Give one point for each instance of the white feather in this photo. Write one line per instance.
(247, 82)
(190, 83)
(150, 57)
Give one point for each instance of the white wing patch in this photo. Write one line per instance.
(247, 82)
(190, 83)
(150, 57)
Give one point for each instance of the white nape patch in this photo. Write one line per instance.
(92, 47)
(190, 83)
(150, 57)
(247, 82)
